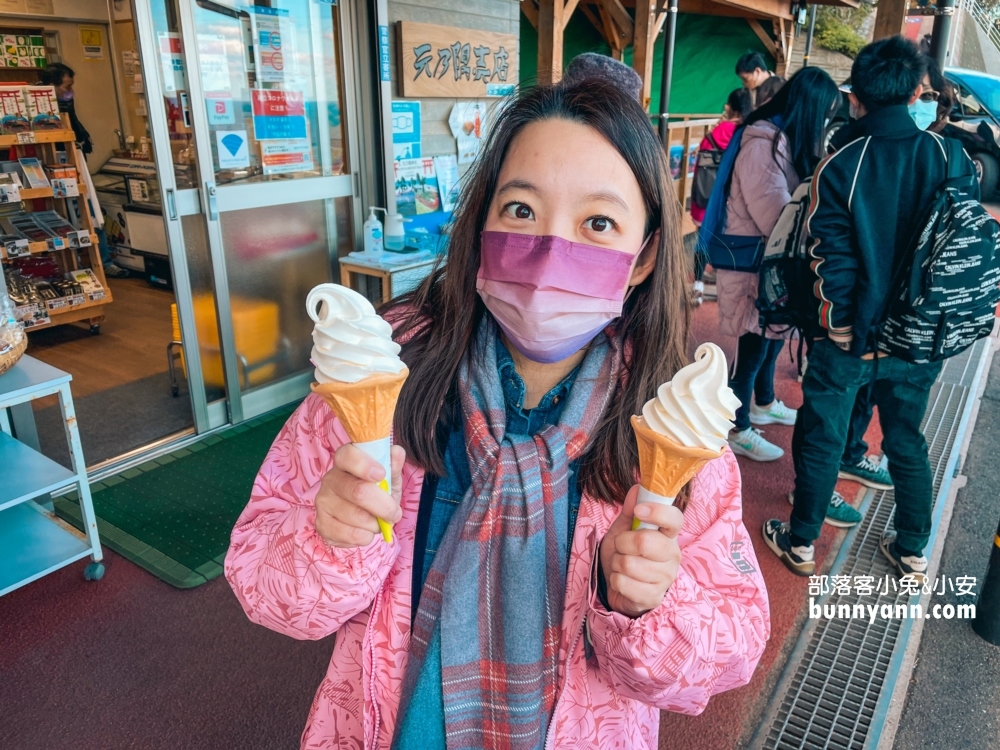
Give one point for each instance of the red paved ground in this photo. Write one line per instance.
(132, 663)
(765, 495)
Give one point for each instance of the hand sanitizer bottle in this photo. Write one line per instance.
(373, 233)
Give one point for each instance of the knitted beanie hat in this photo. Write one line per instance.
(592, 65)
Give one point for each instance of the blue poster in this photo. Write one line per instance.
(275, 128)
(406, 130)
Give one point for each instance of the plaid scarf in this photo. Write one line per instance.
(497, 586)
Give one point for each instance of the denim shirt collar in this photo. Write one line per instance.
(514, 390)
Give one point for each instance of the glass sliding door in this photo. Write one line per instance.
(268, 116)
(272, 200)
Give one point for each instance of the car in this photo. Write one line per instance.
(975, 120)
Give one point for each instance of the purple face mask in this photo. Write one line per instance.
(550, 296)
(66, 96)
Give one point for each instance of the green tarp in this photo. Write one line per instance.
(704, 59)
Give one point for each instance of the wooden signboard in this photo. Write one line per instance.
(441, 61)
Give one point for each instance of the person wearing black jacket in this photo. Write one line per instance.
(868, 200)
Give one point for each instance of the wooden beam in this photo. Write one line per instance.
(764, 37)
(642, 45)
(530, 11)
(890, 18)
(620, 17)
(550, 41)
(595, 20)
(568, 11)
(791, 49)
(709, 8)
(762, 8)
(616, 37)
(661, 18)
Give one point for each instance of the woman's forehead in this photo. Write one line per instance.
(568, 156)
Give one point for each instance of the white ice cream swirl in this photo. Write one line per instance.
(697, 407)
(350, 341)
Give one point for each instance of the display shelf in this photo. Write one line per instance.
(37, 136)
(76, 314)
(28, 194)
(34, 544)
(35, 474)
(36, 248)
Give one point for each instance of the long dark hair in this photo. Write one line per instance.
(800, 109)
(437, 322)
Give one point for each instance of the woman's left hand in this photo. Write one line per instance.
(640, 566)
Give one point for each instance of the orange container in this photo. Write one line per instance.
(256, 331)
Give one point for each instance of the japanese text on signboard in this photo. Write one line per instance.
(451, 62)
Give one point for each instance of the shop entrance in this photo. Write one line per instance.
(219, 160)
(98, 306)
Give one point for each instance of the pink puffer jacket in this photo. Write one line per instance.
(706, 637)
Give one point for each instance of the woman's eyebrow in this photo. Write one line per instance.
(609, 196)
(518, 185)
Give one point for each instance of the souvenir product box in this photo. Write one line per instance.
(43, 109)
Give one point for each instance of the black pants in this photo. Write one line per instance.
(829, 392)
(754, 374)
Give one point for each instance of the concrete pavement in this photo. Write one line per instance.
(953, 701)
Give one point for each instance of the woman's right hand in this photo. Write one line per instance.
(349, 500)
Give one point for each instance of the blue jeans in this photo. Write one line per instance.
(829, 392)
(754, 374)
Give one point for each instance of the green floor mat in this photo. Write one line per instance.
(173, 515)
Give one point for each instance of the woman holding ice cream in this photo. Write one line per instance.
(515, 606)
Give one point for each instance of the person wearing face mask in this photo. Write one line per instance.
(559, 311)
(61, 77)
(867, 200)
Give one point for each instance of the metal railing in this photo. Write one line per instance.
(688, 130)
(985, 20)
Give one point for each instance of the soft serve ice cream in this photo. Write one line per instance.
(350, 341)
(683, 427)
(358, 371)
(697, 408)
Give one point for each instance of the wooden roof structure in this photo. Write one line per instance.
(637, 23)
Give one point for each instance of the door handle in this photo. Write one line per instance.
(171, 205)
(213, 211)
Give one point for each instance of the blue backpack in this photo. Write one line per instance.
(729, 252)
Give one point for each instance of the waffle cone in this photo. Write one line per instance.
(364, 408)
(665, 466)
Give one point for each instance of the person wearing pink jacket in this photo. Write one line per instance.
(515, 607)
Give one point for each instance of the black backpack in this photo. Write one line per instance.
(785, 297)
(945, 295)
(706, 173)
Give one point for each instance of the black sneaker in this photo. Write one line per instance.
(799, 560)
(907, 565)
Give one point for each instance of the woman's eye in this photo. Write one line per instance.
(600, 224)
(519, 211)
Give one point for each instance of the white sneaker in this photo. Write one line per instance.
(775, 413)
(749, 443)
